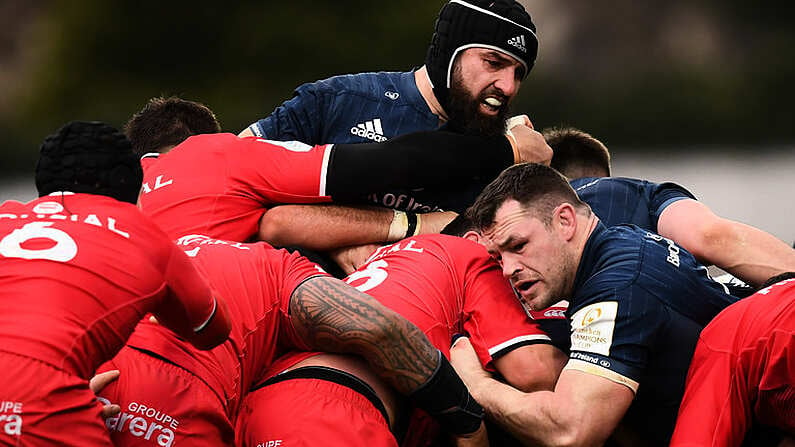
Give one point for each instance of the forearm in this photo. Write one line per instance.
(583, 410)
(532, 368)
(413, 161)
(331, 316)
(751, 254)
(329, 227)
(530, 417)
(748, 253)
(324, 227)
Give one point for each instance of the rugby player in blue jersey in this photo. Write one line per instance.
(637, 303)
(480, 53)
(668, 209)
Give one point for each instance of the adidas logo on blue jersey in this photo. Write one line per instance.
(518, 42)
(371, 130)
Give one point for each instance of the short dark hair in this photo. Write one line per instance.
(535, 186)
(89, 157)
(778, 278)
(459, 226)
(577, 154)
(167, 122)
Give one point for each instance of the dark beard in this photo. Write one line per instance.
(465, 117)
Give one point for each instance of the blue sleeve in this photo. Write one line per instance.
(612, 340)
(664, 194)
(297, 119)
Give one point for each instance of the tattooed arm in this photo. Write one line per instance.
(332, 316)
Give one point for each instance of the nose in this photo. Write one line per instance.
(508, 81)
(510, 266)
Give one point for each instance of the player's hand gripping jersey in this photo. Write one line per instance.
(77, 273)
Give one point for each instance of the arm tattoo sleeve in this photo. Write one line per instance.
(332, 316)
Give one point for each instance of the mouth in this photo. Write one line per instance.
(493, 104)
(524, 287)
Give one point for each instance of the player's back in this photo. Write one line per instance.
(620, 200)
(447, 285)
(760, 329)
(256, 282)
(220, 185)
(78, 272)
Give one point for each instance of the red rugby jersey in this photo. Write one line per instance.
(743, 370)
(448, 285)
(445, 285)
(256, 281)
(77, 273)
(219, 185)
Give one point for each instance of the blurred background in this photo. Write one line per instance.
(695, 91)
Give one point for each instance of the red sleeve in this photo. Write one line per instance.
(285, 171)
(715, 409)
(495, 320)
(189, 307)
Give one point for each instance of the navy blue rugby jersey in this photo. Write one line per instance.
(621, 200)
(639, 304)
(352, 108)
(364, 108)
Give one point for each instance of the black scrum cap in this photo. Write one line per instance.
(89, 157)
(503, 25)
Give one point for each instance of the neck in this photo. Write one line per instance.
(424, 85)
(165, 149)
(584, 230)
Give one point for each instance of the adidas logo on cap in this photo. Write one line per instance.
(518, 42)
(371, 130)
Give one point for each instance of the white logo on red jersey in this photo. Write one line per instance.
(143, 421)
(11, 417)
(159, 183)
(206, 240)
(48, 208)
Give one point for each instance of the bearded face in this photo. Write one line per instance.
(475, 109)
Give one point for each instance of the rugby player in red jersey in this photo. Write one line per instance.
(169, 392)
(445, 285)
(743, 370)
(79, 267)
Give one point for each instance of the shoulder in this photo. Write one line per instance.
(11, 206)
(384, 86)
(457, 247)
(612, 261)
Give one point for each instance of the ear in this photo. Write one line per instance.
(564, 220)
(473, 236)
